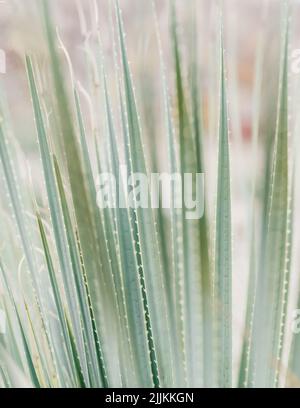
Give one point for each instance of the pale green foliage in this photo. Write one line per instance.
(138, 297)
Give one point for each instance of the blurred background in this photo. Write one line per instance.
(252, 50)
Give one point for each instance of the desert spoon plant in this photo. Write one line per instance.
(132, 296)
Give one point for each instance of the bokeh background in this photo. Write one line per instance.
(252, 45)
